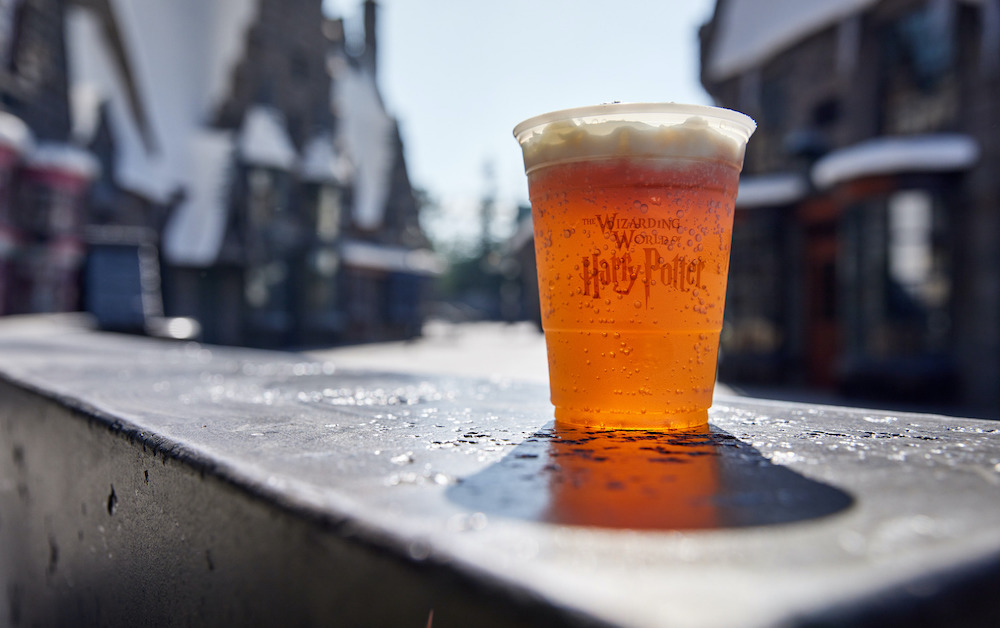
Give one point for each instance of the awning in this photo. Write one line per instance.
(895, 154)
(771, 190)
(390, 258)
(14, 133)
(65, 159)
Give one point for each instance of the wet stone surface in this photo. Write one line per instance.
(777, 514)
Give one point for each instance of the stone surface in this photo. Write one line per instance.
(186, 468)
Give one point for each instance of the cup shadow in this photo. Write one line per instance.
(693, 480)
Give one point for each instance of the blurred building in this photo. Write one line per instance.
(225, 161)
(520, 271)
(864, 255)
(43, 176)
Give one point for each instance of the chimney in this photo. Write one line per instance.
(368, 57)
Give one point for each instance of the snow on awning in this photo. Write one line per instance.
(771, 190)
(322, 164)
(64, 158)
(750, 31)
(895, 154)
(264, 141)
(14, 133)
(194, 236)
(368, 136)
(390, 258)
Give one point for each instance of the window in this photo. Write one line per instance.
(899, 276)
(910, 247)
(328, 214)
(919, 59)
(921, 44)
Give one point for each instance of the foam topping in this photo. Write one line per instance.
(645, 133)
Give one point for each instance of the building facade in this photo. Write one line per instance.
(43, 176)
(864, 253)
(257, 160)
(250, 179)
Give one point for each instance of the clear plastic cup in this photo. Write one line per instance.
(632, 207)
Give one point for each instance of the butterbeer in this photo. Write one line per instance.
(633, 211)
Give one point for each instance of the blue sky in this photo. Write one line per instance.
(459, 74)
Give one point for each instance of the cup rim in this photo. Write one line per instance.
(623, 109)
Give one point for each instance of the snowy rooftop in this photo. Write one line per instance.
(368, 137)
(194, 236)
(264, 141)
(177, 88)
(14, 133)
(751, 31)
(96, 80)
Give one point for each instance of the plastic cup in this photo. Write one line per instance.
(632, 206)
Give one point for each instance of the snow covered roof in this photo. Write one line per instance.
(321, 163)
(264, 141)
(194, 236)
(390, 258)
(181, 56)
(750, 31)
(178, 86)
(96, 80)
(887, 155)
(771, 190)
(225, 33)
(368, 134)
(14, 133)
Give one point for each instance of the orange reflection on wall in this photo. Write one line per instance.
(633, 479)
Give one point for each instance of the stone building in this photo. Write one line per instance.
(864, 253)
(259, 160)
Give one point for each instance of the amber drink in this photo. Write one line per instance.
(632, 207)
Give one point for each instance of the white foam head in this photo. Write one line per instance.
(645, 130)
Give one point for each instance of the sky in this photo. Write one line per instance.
(459, 74)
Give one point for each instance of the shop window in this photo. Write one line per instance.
(754, 315)
(921, 44)
(910, 243)
(328, 209)
(265, 284)
(901, 284)
(262, 199)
